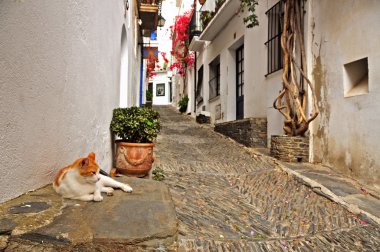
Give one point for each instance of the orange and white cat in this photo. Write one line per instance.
(81, 180)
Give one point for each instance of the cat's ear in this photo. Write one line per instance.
(85, 162)
(91, 155)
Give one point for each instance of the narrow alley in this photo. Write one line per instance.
(228, 199)
(189, 125)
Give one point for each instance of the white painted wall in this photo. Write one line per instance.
(261, 90)
(347, 133)
(124, 68)
(59, 82)
(224, 45)
(161, 78)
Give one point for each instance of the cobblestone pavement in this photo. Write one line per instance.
(229, 199)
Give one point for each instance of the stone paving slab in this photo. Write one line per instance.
(335, 184)
(366, 202)
(142, 219)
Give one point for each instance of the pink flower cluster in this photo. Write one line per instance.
(183, 59)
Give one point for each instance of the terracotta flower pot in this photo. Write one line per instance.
(134, 159)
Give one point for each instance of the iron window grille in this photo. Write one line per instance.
(199, 97)
(240, 71)
(275, 20)
(214, 82)
(240, 82)
(195, 27)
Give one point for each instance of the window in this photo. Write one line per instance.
(214, 82)
(355, 78)
(240, 71)
(199, 97)
(275, 16)
(160, 89)
(240, 82)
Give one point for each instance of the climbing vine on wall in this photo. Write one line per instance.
(292, 100)
(182, 57)
(150, 66)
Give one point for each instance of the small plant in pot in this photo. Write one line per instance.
(183, 104)
(137, 129)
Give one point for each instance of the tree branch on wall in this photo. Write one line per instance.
(292, 99)
(250, 5)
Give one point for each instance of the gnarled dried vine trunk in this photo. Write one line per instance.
(292, 100)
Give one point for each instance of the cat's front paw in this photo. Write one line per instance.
(126, 188)
(108, 190)
(98, 198)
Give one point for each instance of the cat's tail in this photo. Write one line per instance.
(104, 173)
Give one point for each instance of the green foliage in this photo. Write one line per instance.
(183, 104)
(148, 95)
(158, 174)
(135, 124)
(251, 20)
(206, 17)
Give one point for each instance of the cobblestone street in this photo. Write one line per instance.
(229, 199)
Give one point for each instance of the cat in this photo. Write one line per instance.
(82, 181)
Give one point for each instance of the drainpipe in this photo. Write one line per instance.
(195, 81)
(141, 74)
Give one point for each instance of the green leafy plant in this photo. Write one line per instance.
(148, 95)
(183, 104)
(158, 174)
(251, 20)
(135, 124)
(206, 17)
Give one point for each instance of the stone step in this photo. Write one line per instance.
(42, 220)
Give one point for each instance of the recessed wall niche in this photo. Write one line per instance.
(355, 78)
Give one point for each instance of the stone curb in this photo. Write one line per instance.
(324, 191)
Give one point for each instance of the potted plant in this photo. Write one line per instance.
(183, 104)
(137, 128)
(206, 16)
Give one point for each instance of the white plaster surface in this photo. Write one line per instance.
(259, 91)
(59, 81)
(347, 133)
(161, 78)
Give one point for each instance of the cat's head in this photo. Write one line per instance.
(88, 168)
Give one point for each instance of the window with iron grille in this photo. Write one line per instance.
(214, 80)
(199, 97)
(240, 82)
(275, 18)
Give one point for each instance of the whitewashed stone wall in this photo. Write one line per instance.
(59, 81)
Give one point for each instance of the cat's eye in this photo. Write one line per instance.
(93, 173)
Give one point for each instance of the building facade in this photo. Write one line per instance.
(64, 66)
(238, 74)
(160, 83)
